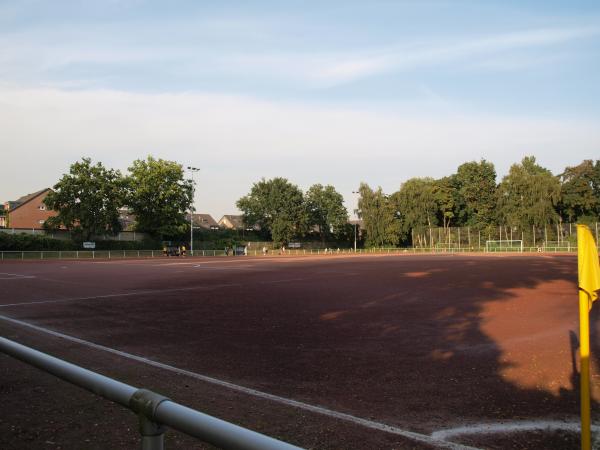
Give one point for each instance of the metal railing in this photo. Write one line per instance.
(122, 254)
(154, 411)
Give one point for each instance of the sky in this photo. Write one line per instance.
(336, 92)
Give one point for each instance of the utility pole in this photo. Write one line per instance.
(192, 170)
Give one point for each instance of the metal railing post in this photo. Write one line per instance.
(153, 434)
(145, 403)
(154, 410)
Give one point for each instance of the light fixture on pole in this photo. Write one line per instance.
(356, 222)
(192, 170)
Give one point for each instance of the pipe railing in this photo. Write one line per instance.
(10, 255)
(154, 411)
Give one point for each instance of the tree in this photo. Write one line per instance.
(527, 196)
(87, 200)
(476, 184)
(277, 206)
(446, 196)
(417, 206)
(326, 210)
(579, 192)
(159, 196)
(378, 214)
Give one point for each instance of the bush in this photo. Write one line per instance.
(27, 242)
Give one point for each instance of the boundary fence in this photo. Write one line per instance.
(550, 235)
(154, 411)
(567, 247)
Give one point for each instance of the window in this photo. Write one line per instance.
(42, 207)
(41, 221)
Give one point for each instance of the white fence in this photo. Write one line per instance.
(122, 254)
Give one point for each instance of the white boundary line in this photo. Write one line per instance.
(437, 442)
(122, 294)
(514, 427)
(14, 276)
(23, 277)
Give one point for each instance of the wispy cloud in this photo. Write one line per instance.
(335, 68)
(213, 46)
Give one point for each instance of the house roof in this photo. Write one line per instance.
(236, 220)
(25, 199)
(204, 220)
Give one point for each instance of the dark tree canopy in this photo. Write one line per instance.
(159, 196)
(278, 207)
(326, 210)
(527, 196)
(87, 200)
(446, 195)
(580, 195)
(378, 214)
(476, 186)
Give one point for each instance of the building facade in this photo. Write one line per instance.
(28, 211)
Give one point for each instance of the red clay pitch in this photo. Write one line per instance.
(420, 343)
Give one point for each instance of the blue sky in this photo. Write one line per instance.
(329, 92)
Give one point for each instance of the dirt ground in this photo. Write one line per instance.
(417, 343)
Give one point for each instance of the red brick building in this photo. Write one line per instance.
(28, 211)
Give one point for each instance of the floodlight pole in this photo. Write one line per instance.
(356, 223)
(192, 170)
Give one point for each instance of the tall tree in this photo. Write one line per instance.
(278, 207)
(378, 214)
(447, 198)
(527, 196)
(580, 197)
(326, 210)
(476, 184)
(159, 196)
(87, 200)
(417, 205)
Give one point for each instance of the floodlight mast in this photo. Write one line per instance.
(192, 170)
(355, 223)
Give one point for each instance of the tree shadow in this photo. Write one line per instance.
(464, 340)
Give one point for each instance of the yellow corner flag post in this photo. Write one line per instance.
(589, 283)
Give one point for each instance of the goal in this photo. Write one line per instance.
(504, 246)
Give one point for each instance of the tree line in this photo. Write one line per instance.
(528, 197)
(88, 198)
(283, 212)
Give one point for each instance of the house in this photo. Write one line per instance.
(126, 219)
(236, 222)
(204, 221)
(28, 211)
(232, 222)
